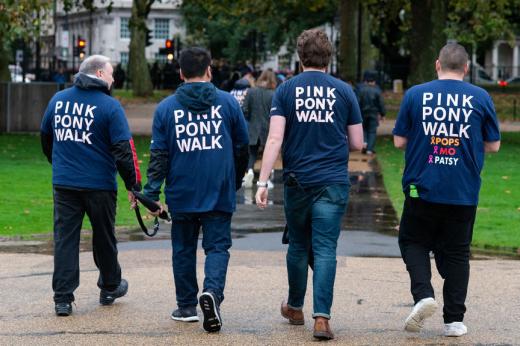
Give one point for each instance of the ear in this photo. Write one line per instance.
(209, 73)
(437, 65)
(466, 69)
(182, 75)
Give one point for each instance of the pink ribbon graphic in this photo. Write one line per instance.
(436, 149)
(430, 159)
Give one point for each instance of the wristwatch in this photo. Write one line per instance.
(261, 183)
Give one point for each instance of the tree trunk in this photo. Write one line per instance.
(138, 66)
(5, 75)
(426, 38)
(348, 39)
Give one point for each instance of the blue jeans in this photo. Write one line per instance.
(370, 124)
(313, 216)
(216, 241)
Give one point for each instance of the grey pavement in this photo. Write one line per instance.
(371, 301)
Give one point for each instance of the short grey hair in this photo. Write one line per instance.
(93, 63)
(453, 57)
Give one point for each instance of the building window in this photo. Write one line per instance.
(124, 28)
(124, 58)
(161, 28)
(160, 58)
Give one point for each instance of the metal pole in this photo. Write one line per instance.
(8, 109)
(359, 39)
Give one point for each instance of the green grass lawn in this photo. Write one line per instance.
(25, 181)
(498, 214)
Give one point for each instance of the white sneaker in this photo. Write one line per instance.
(248, 179)
(423, 309)
(270, 184)
(455, 329)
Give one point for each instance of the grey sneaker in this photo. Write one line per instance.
(455, 329)
(63, 309)
(423, 309)
(188, 314)
(108, 297)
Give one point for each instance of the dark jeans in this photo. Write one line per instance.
(447, 231)
(253, 154)
(70, 207)
(216, 241)
(314, 219)
(370, 124)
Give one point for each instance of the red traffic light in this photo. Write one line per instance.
(81, 43)
(168, 43)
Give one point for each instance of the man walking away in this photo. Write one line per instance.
(445, 126)
(317, 119)
(373, 110)
(85, 136)
(198, 134)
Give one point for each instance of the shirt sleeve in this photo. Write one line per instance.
(490, 129)
(277, 105)
(403, 123)
(354, 116)
(46, 126)
(159, 138)
(118, 128)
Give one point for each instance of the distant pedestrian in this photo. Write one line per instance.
(241, 87)
(372, 109)
(445, 126)
(317, 118)
(199, 146)
(257, 105)
(119, 77)
(85, 136)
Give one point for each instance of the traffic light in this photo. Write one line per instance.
(170, 49)
(79, 49)
(148, 37)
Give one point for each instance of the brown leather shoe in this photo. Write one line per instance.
(322, 329)
(294, 316)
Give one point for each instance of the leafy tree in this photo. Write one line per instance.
(18, 20)
(244, 29)
(138, 66)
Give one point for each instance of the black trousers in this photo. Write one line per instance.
(446, 230)
(70, 207)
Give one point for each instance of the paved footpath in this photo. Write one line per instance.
(371, 301)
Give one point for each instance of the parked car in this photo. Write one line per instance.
(513, 81)
(17, 74)
(480, 76)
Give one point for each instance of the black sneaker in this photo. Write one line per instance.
(63, 309)
(211, 311)
(108, 297)
(188, 314)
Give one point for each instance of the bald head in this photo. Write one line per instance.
(453, 58)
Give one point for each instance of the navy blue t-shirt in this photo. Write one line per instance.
(201, 171)
(318, 108)
(84, 125)
(446, 123)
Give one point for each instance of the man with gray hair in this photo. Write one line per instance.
(445, 126)
(85, 136)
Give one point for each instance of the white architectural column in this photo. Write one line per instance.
(494, 61)
(516, 59)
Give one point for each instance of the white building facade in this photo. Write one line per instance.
(109, 33)
(503, 60)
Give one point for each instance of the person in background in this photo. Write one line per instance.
(256, 108)
(241, 86)
(372, 109)
(444, 126)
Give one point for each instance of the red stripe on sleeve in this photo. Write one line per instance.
(136, 163)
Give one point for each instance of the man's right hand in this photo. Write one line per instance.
(159, 211)
(261, 197)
